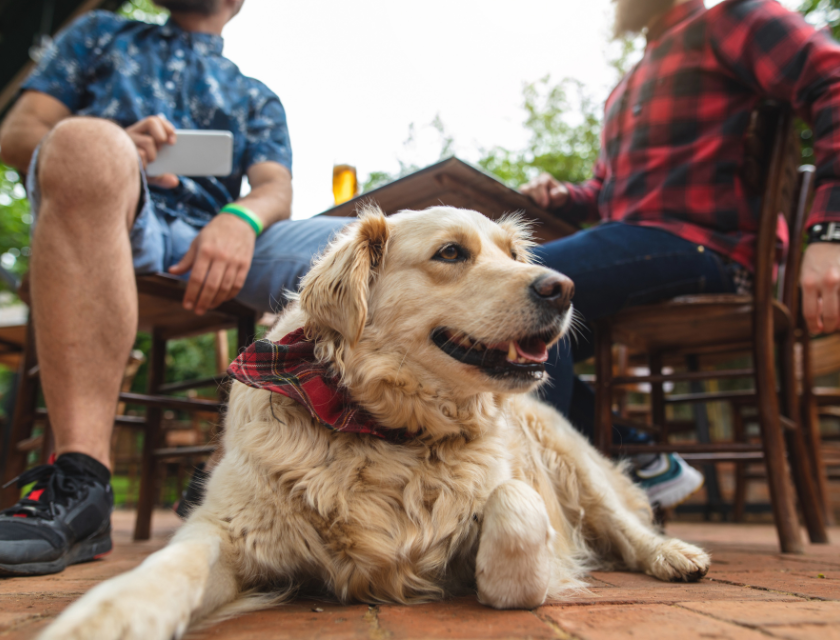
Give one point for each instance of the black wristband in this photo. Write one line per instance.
(824, 232)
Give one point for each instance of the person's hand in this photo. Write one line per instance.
(820, 279)
(149, 135)
(546, 192)
(220, 257)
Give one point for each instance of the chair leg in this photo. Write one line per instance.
(603, 387)
(778, 478)
(740, 435)
(811, 426)
(22, 420)
(800, 461)
(657, 395)
(714, 502)
(148, 466)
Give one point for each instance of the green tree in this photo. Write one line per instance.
(564, 122)
(823, 13)
(144, 10)
(15, 220)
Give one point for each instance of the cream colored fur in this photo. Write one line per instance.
(496, 494)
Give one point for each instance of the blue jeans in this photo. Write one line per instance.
(616, 265)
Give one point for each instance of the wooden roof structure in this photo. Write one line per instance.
(22, 22)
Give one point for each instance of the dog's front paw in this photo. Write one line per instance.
(109, 612)
(514, 560)
(678, 561)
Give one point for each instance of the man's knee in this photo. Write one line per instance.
(88, 159)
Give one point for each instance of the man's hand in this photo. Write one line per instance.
(820, 279)
(149, 135)
(220, 257)
(546, 192)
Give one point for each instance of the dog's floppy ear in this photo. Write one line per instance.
(335, 291)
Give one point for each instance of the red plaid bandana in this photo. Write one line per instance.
(289, 368)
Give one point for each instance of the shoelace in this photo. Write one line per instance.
(53, 483)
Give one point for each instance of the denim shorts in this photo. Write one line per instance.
(282, 255)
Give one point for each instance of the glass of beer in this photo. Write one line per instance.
(345, 185)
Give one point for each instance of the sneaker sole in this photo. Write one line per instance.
(83, 551)
(670, 495)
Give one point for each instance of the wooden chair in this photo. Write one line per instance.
(161, 314)
(759, 324)
(821, 357)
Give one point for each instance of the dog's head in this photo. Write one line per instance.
(443, 297)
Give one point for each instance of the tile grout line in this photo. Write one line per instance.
(801, 596)
(732, 622)
(743, 625)
(561, 633)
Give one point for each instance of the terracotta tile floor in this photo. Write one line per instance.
(752, 591)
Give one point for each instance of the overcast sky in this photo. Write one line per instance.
(354, 75)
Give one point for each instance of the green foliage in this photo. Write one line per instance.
(186, 359)
(143, 10)
(379, 178)
(15, 221)
(823, 12)
(564, 122)
(820, 13)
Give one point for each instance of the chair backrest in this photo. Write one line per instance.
(804, 196)
(770, 168)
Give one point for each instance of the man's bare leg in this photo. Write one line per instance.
(84, 298)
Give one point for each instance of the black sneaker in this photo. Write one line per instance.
(193, 495)
(63, 520)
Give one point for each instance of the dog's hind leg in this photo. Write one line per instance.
(515, 556)
(184, 581)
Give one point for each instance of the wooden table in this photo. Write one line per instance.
(455, 183)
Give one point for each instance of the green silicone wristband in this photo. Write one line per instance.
(244, 214)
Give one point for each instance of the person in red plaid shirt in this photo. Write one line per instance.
(666, 189)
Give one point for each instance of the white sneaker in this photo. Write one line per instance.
(668, 480)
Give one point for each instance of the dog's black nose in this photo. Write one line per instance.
(555, 289)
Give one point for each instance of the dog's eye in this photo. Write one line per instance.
(513, 254)
(452, 253)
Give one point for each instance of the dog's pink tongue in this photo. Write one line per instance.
(533, 350)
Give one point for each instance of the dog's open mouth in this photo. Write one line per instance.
(524, 357)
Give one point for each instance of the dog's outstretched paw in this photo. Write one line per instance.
(117, 616)
(678, 561)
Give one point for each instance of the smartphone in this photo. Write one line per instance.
(195, 153)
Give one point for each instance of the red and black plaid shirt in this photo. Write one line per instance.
(673, 138)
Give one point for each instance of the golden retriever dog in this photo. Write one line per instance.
(435, 325)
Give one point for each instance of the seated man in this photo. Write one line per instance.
(102, 102)
(667, 187)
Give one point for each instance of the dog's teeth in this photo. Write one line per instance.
(466, 342)
(478, 346)
(512, 355)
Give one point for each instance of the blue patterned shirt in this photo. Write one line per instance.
(110, 67)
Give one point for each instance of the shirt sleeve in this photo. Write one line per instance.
(267, 133)
(779, 55)
(582, 205)
(63, 69)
